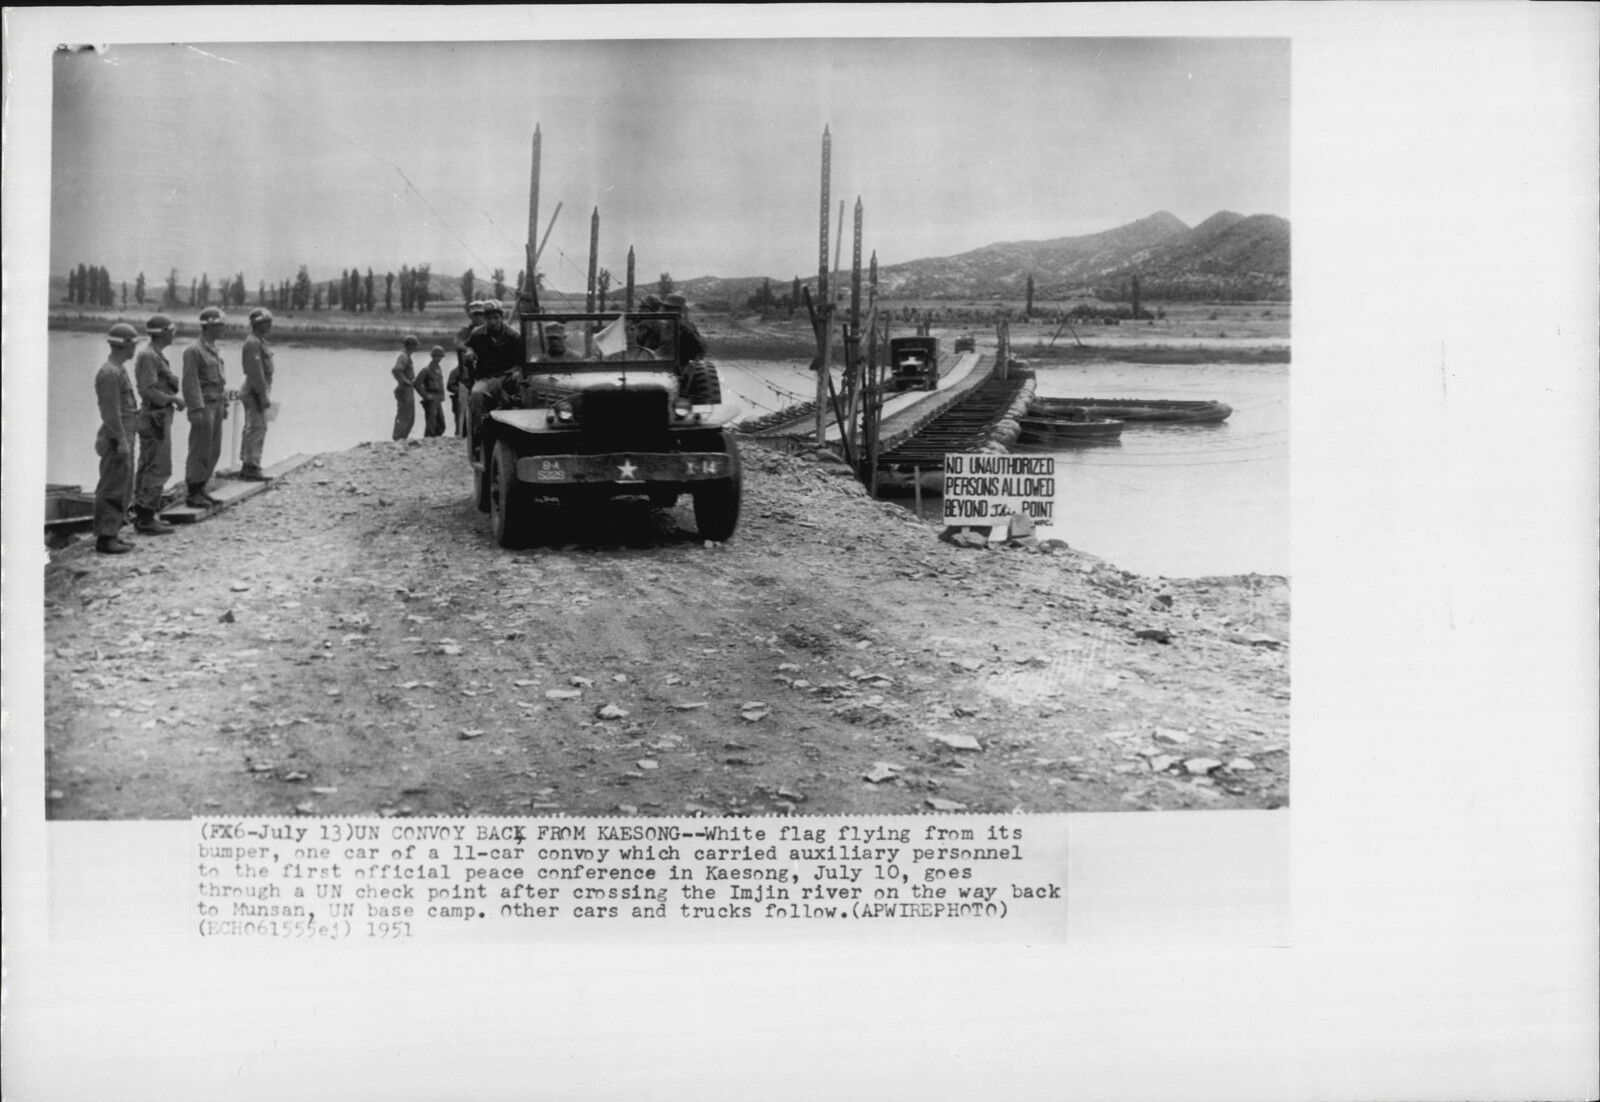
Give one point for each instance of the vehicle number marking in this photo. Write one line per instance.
(550, 470)
(705, 466)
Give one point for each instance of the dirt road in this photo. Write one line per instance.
(353, 642)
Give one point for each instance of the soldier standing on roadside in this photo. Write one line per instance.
(430, 386)
(158, 386)
(256, 395)
(119, 412)
(405, 390)
(205, 393)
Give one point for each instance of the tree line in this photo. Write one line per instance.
(352, 290)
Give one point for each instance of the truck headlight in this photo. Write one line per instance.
(561, 413)
(681, 408)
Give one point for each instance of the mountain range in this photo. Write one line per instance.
(1227, 257)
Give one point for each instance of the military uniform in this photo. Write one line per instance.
(405, 395)
(158, 386)
(204, 391)
(430, 387)
(256, 397)
(494, 357)
(119, 415)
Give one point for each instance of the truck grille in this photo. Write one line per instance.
(626, 418)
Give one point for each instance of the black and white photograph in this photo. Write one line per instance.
(561, 428)
(695, 551)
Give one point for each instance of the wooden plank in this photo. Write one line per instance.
(229, 491)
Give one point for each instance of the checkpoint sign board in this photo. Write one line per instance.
(982, 489)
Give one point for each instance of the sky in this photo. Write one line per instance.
(704, 155)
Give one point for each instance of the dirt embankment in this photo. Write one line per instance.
(353, 641)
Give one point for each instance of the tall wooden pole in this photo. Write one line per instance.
(627, 307)
(824, 296)
(855, 273)
(594, 257)
(852, 385)
(530, 290)
(838, 242)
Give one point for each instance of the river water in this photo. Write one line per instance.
(1178, 501)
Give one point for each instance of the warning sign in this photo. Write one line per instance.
(983, 489)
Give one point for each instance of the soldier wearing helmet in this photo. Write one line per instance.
(119, 412)
(256, 395)
(691, 346)
(205, 393)
(650, 331)
(430, 388)
(461, 377)
(405, 389)
(158, 386)
(497, 354)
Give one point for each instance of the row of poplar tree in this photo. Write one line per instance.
(351, 291)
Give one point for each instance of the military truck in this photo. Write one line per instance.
(913, 364)
(619, 417)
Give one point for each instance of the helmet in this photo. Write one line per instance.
(437, 351)
(475, 306)
(159, 324)
(650, 302)
(212, 316)
(122, 335)
(260, 314)
(556, 329)
(492, 306)
(411, 340)
(675, 301)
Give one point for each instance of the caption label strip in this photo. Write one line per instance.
(341, 879)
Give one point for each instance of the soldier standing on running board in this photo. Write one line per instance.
(256, 395)
(205, 393)
(119, 412)
(158, 386)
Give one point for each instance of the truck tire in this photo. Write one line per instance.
(480, 481)
(716, 504)
(509, 501)
(480, 475)
(702, 384)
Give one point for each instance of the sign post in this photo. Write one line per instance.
(985, 491)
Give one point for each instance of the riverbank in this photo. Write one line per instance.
(1188, 337)
(352, 641)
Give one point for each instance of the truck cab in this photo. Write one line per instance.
(913, 363)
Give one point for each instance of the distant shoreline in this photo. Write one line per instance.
(729, 336)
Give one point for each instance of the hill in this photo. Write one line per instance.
(1228, 256)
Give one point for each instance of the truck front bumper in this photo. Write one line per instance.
(624, 468)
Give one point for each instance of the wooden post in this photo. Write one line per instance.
(916, 487)
(627, 307)
(594, 258)
(530, 290)
(820, 323)
(855, 273)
